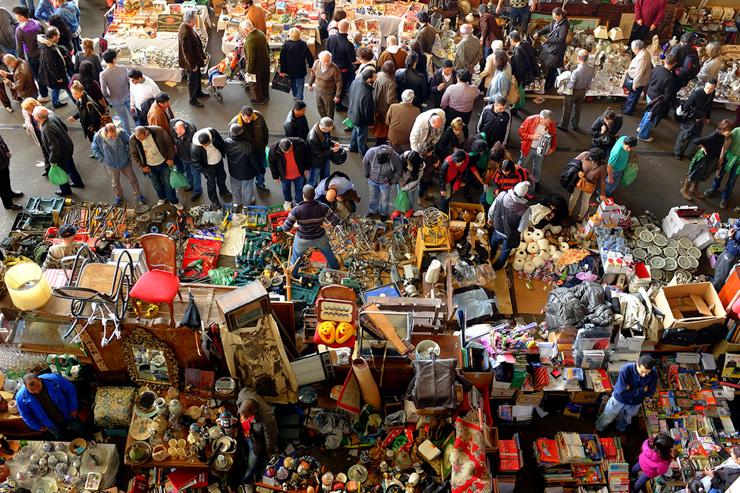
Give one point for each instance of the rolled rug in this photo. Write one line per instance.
(368, 388)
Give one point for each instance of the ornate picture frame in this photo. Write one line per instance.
(139, 337)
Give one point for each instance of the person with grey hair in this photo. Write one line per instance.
(110, 147)
(59, 147)
(637, 76)
(153, 151)
(468, 52)
(361, 110)
(344, 56)
(321, 148)
(191, 56)
(328, 80)
(426, 132)
(400, 119)
(19, 81)
(257, 51)
(712, 64)
(575, 92)
(310, 216)
(537, 134)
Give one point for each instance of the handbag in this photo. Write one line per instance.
(628, 82)
(57, 176)
(178, 179)
(281, 82)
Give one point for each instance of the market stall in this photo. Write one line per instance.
(147, 38)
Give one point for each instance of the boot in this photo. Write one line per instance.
(694, 189)
(685, 191)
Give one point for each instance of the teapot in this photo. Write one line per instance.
(158, 425)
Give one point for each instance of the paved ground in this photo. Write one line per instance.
(656, 188)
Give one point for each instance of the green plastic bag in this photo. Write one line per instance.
(630, 173)
(57, 176)
(402, 202)
(178, 180)
(522, 99)
(348, 123)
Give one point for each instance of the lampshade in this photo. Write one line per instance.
(615, 34)
(601, 32)
(27, 286)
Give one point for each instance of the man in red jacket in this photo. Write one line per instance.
(648, 17)
(538, 140)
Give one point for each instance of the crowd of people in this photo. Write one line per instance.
(418, 116)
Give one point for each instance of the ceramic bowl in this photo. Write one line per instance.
(646, 236)
(654, 250)
(660, 240)
(657, 262)
(670, 252)
(685, 243)
(694, 263)
(643, 244)
(670, 264)
(684, 262)
(694, 252)
(673, 243)
(656, 274)
(639, 254)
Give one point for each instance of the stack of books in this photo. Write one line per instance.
(592, 447)
(510, 455)
(598, 380)
(619, 477)
(612, 448)
(573, 378)
(570, 447)
(181, 480)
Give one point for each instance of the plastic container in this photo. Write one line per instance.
(27, 286)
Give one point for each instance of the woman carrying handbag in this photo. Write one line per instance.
(592, 177)
(91, 116)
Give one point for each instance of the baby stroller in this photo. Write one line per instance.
(230, 68)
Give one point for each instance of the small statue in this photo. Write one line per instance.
(197, 439)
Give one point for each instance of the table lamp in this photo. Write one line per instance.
(27, 286)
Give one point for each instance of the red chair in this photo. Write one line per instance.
(160, 284)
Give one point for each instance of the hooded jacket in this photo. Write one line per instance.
(383, 173)
(61, 391)
(506, 214)
(553, 51)
(162, 140)
(198, 154)
(319, 147)
(112, 153)
(55, 60)
(276, 158)
(651, 462)
(241, 158)
(361, 105)
(295, 127)
(26, 42)
(183, 144)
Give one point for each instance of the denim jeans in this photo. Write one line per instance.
(243, 191)
(191, 173)
(413, 197)
(74, 176)
(641, 480)
(123, 112)
(55, 95)
(318, 174)
(259, 180)
(615, 410)
(519, 17)
(380, 197)
(73, 428)
(633, 97)
(717, 181)
(646, 125)
(499, 240)
(690, 130)
(160, 177)
(34, 63)
(612, 187)
(254, 463)
(297, 185)
(358, 140)
(296, 87)
(536, 161)
(322, 244)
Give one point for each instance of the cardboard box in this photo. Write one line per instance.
(723, 347)
(691, 306)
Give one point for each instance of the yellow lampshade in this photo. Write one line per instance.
(27, 286)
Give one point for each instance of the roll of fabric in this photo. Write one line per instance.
(368, 387)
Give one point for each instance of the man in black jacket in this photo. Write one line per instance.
(321, 148)
(361, 110)
(182, 134)
(207, 153)
(687, 60)
(243, 166)
(441, 80)
(524, 64)
(495, 121)
(343, 55)
(289, 159)
(59, 147)
(6, 191)
(410, 78)
(54, 62)
(553, 49)
(296, 124)
(660, 93)
(695, 113)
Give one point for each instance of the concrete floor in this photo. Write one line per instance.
(656, 189)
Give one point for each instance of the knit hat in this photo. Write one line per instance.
(67, 231)
(521, 190)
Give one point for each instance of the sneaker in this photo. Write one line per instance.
(179, 206)
(287, 205)
(45, 99)
(60, 104)
(723, 204)
(118, 201)
(253, 201)
(649, 139)
(160, 202)
(9, 110)
(141, 199)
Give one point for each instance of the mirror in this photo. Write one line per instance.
(149, 360)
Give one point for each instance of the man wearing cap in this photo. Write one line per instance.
(67, 248)
(310, 216)
(729, 257)
(191, 56)
(243, 165)
(509, 216)
(400, 120)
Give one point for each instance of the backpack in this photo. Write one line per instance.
(569, 176)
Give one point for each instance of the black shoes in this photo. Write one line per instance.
(197, 104)
(16, 194)
(60, 104)
(14, 207)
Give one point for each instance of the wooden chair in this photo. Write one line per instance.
(160, 284)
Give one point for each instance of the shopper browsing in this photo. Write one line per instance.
(720, 478)
(49, 403)
(655, 460)
(635, 382)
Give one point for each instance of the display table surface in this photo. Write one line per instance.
(389, 24)
(12, 424)
(106, 454)
(159, 74)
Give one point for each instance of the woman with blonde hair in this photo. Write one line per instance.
(712, 65)
(453, 138)
(295, 57)
(88, 54)
(33, 130)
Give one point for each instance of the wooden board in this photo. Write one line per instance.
(501, 286)
(530, 299)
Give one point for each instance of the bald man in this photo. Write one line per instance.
(343, 55)
(575, 92)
